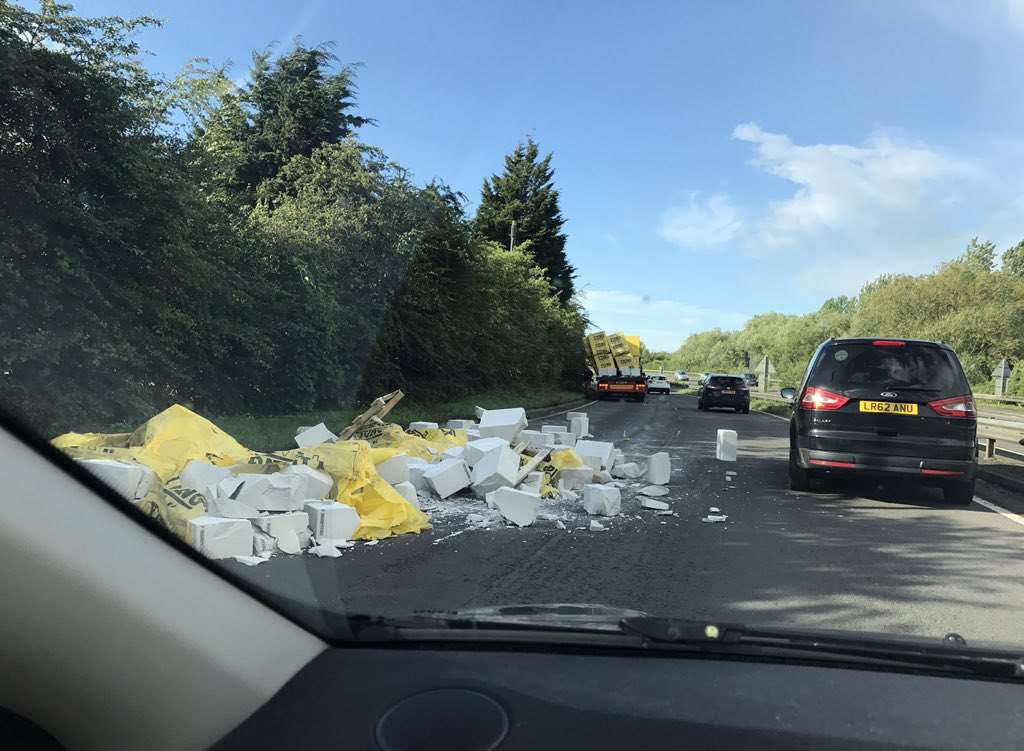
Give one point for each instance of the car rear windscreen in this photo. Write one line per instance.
(727, 381)
(853, 366)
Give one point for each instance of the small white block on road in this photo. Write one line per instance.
(330, 519)
(601, 500)
(217, 538)
(725, 447)
(448, 477)
(653, 504)
(517, 506)
(600, 449)
(659, 468)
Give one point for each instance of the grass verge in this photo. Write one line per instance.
(277, 432)
(775, 408)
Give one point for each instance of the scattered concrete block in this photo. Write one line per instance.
(600, 449)
(128, 479)
(472, 434)
(395, 469)
(601, 500)
(579, 425)
(216, 537)
(534, 439)
(659, 468)
(518, 507)
(604, 476)
(596, 526)
(423, 425)
(654, 490)
(262, 543)
(575, 415)
(725, 449)
(276, 524)
(574, 478)
(594, 462)
(627, 469)
(461, 424)
(479, 412)
(653, 504)
(475, 450)
(331, 519)
(288, 542)
(552, 428)
(447, 477)
(408, 491)
(568, 496)
(231, 509)
(315, 483)
(503, 423)
(416, 469)
(714, 518)
(198, 475)
(496, 469)
(274, 492)
(315, 435)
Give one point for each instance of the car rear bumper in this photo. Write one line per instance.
(659, 391)
(838, 462)
(726, 400)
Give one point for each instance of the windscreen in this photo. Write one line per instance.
(860, 366)
(357, 303)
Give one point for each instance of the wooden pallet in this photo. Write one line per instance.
(374, 415)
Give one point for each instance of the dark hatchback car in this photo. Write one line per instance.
(885, 407)
(719, 390)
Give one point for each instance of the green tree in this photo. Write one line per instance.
(525, 193)
(1013, 260)
(979, 256)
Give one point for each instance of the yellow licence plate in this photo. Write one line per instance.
(889, 408)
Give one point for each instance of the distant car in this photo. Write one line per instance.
(899, 408)
(658, 384)
(751, 379)
(720, 390)
(682, 376)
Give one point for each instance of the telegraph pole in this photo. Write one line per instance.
(512, 236)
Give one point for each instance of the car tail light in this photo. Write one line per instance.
(815, 398)
(830, 463)
(941, 472)
(640, 387)
(603, 386)
(888, 343)
(955, 406)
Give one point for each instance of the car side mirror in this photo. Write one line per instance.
(789, 394)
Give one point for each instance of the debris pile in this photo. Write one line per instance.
(371, 480)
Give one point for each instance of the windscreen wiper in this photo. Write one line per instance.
(948, 654)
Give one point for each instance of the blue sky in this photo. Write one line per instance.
(715, 159)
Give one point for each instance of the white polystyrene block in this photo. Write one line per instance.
(395, 469)
(517, 506)
(601, 500)
(461, 424)
(601, 449)
(565, 438)
(579, 425)
(533, 438)
(215, 537)
(447, 477)
(337, 521)
(198, 475)
(627, 469)
(574, 478)
(276, 524)
(315, 435)
(653, 504)
(475, 450)
(659, 468)
(533, 483)
(315, 483)
(725, 450)
(496, 469)
(503, 423)
(422, 425)
(552, 428)
(408, 491)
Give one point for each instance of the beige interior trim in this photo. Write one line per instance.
(111, 639)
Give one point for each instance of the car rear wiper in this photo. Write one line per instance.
(948, 654)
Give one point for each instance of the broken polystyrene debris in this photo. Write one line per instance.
(627, 469)
(315, 435)
(447, 477)
(565, 438)
(395, 469)
(604, 476)
(371, 543)
(331, 519)
(128, 479)
(654, 490)
(659, 468)
(596, 526)
(714, 518)
(475, 450)
(231, 509)
(714, 510)
(534, 439)
(198, 475)
(568, 496)
(601, 500)
(262, 543)
(666, 512)
(276, 524)
(455, 452)
(315, 484)
(600, 449)
(503, 423)
(496, 469)
(479, 412)
(423, 425)
(560, 524)
(725, 448)
(288, 542)
(653, 504)
(594, 462)
(325, 551)
(335, 543)
(250, 560)
(574, 478)
(416, 469)
(518, 507)
(533, 483)
(274, 492)
(216, 537)
(472, 434)
(461, 424)
(408, 491)
(552, 428)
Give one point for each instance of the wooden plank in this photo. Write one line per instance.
(532, 465)
(378, 409)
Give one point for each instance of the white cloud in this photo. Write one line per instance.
(662, 324)
(701, 225)
(981, 21)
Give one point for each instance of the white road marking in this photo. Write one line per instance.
(1000, 510)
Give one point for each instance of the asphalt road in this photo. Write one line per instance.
(864, 557)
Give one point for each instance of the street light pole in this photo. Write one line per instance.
(512, 236)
